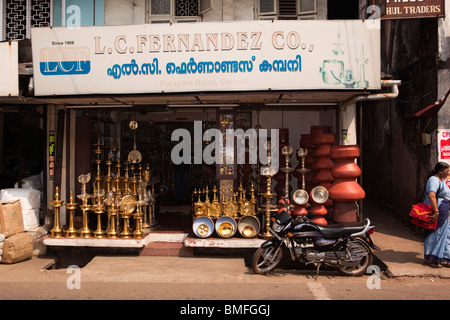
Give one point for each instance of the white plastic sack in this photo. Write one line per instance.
(29, 198)
(32, 182)
(30, 218)
(2, 237)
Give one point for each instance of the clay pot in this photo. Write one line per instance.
(320, 212)
(344, 212)
(323, 138)
(345, 170)
(320, 129)
(345, 191)
(345, 152)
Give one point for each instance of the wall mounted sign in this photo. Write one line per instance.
(444, 145)
(206, 56)
(400, 9)
(51, 154)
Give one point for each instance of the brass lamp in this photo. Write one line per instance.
(99, 208)
(56, 232)
(85, 232)
(71, 232)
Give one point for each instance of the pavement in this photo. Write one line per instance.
(401, 251)
(401, 255)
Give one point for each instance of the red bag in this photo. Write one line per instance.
(421, 215)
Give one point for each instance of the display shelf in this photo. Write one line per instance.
(96, 243)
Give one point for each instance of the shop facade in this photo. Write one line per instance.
(126, 90)
(117, 94)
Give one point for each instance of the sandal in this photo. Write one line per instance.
(434, 264)
(445, 264)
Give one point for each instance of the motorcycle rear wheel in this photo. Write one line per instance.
(266, 259)
(363, 264)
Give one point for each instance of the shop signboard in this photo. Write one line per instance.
(9, 64)
(207, 56)
(51, 154)
(400, 9)
(443, 142)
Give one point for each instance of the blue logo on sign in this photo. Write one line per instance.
(65, 67)
(64, 61)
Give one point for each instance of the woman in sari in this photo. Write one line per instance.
(437, 195)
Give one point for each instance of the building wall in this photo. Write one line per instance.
(124, 12)
(395, 164)
(444, 68)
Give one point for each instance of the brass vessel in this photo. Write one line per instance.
(85, 232)
(229, 207)
(226, 227)
(268, 172)
(99, 208)
(71, 232)
(198, 206)
(112, 212)
(127, 206)
(56, 232)
(138, 234)
(215, 209)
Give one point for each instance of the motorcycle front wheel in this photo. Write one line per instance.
(267, 259)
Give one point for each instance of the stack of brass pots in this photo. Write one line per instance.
(226, 217)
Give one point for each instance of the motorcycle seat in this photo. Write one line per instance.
(342, 229)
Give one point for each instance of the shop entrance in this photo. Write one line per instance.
(123, 132)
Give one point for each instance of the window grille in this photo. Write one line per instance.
(173, 10)
(19, 20)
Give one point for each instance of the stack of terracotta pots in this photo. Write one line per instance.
(345, 190)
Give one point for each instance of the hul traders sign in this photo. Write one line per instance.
(206, 56)
(400, 9)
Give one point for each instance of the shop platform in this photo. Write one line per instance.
(236, 243)
(97, 243)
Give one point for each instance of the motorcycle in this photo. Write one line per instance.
(345, 246)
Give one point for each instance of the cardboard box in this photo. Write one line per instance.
(11, 219)
(17, 248)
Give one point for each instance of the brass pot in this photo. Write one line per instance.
(226, 227)
(249, 226)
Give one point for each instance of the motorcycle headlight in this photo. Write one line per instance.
(276, 227)
(300, 197)
(319, 194)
